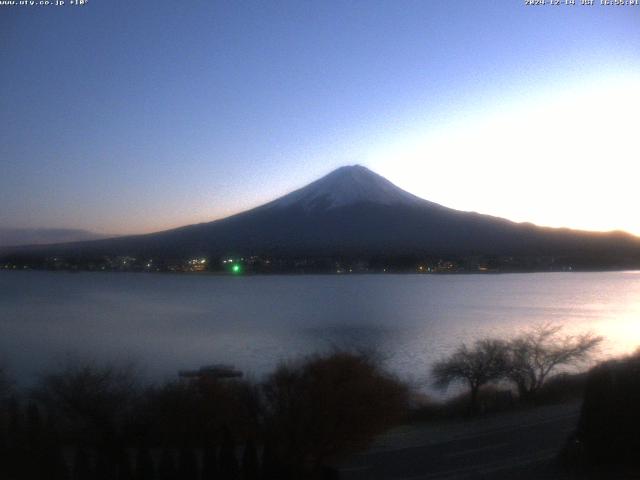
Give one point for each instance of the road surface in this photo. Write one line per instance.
(519, 445)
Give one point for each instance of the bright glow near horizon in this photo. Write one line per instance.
(563, 158)
(523, 113)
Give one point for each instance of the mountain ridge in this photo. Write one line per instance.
(41, 236)
(355, 212)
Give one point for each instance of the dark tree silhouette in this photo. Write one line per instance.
(43, 448)
(34, 428)
(187, 464)
(106, 462)
(228, 462)
(610, 418)
(167, 468)
(17, 458)
(53, 464)
(250, 469)
(82, 465)
(535, 355)
(209, 462)
(90, 398)
(477, 366)
(124, 469)
(272, 466)
(193, 409)
(144, 465)
(4, 448)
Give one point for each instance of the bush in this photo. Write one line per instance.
(490, 399)
(195, 412)
(327, 407)
(562, 388)
(89, 400)
(609, 425)
(304, 417)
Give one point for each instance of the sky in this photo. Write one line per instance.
(131, 117)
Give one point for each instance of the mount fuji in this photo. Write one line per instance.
(347, 186)
(355, 212)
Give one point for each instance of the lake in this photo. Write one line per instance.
(167, 322)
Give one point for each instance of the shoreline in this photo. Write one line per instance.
(313, 274)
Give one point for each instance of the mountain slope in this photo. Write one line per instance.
(40, 236)
(353, 211)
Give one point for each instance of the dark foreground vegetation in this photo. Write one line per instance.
(93, 422)
(526, 362)
(606, 443)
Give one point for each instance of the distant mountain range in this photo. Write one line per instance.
(354, 212)
(40, 236)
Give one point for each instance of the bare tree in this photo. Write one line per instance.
(89, 397)
(535, 355)
(477, 366)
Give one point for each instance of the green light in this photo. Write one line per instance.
(235, 269)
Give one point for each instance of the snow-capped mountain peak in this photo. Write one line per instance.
(345, 186)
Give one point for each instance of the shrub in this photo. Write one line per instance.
(610, 418)
(195, 412)
(328, 406)
(561, 388)
(91, 400)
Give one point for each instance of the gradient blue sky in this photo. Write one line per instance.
(135, 116)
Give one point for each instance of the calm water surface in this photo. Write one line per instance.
(170, 322)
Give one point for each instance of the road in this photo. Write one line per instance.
(518, 445)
